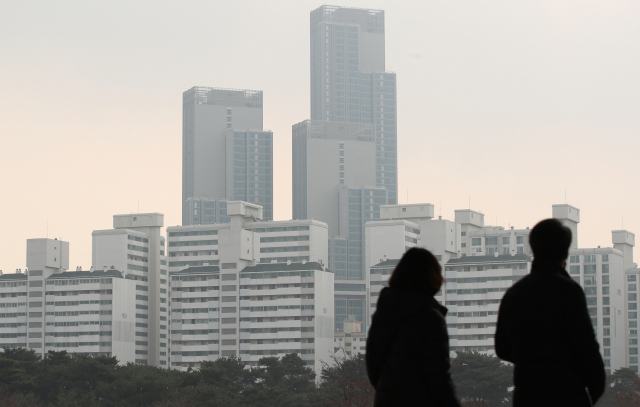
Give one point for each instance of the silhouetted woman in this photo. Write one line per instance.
(408, 345)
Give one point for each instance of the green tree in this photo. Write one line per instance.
(482, 378)
(18, 368)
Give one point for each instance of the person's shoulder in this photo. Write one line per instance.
(518, 286)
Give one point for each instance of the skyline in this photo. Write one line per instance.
(586, 89)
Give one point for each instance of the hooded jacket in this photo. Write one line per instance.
(408, 351)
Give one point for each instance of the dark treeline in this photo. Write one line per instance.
(60, 380)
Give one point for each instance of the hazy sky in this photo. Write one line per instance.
(507, 102)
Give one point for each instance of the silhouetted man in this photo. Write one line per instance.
(545, 330)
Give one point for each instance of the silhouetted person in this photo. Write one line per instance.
(545, 330)
(408, 345)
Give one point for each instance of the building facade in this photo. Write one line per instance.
(325, 156)
(349, 82)
(135, 245)
(262, 310)
(262, 288)
(206, 211)
(225, 151)
(48, 308)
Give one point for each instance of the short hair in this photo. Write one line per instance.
(418, 270)
(550, 240)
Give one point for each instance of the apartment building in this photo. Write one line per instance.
(473, 289)
(262, 310)
(90, 312)
(136, 247)
(281, 241)
(239, 265)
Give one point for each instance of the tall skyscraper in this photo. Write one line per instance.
(225, 151)
(345, 157)
(349, 82)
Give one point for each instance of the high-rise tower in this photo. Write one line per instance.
(345, 157)
(349, 82)
(225, 152)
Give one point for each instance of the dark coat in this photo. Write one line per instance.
(544, 328)
(408, 351)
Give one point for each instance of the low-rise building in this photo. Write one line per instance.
(352, 340)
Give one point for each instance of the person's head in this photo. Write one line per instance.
(550, 241)
(417, 270)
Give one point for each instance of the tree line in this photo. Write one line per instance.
(64, 380)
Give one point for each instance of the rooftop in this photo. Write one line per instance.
(310, 265)
(387, 263)
(197, 270)
(13, 276)
(490, 259)
(88, 274)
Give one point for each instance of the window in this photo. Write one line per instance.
(590, 269)
(605, 268)
(505, 250)
(505, 240)
(607, 352)
(633, 324)
(631, 277)
(463, 233)
(520, 250)
(606, 332)
(633, 359)
(606, 321)
(605, 290)
(463, 245)
(605, 279)
(633, 341)
(633, 315)
(590, 280)
(574, 269)
(490, 241)
(605, 258)
(574, 259)
(606, 341)
(476, 241)
(590, 290)
(605, 300)
(519, 239)
(633, 351)
(632, 287)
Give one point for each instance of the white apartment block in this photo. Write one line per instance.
(83, 312)
(282, 241)
(253, 273)
(600, 272)
(473, 290)
(135, 246)
(261, 310)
